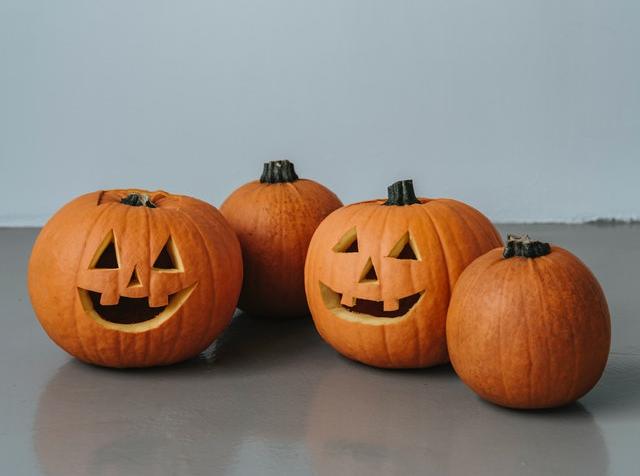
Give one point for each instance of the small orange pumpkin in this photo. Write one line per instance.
(379, 275)
(129, 278)
(274, 218)
(528, 326)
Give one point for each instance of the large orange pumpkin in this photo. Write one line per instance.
(129, 278)
(274, 218)
(528, 327)
(379, 275)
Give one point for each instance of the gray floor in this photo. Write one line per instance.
(272, 398)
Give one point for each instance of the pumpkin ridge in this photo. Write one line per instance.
(120, 354)
(555, 270)
(380, 251)
(544, 311)
(445, 257)
(463, 287)
(462, 214)
(293, 201)
(254, 195)
(530, 353)
(386, 344)
(371, 212)
(230, 240)
(420, 328)
(110, 210)
(147, 228)
(79, 334)
(505, 385)
(588, 280)
(363, 348)
(474, 216)
(186, 215)
(307, 211)
(416, 322)
(286, 238)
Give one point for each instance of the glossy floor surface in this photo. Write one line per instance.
(270, 398)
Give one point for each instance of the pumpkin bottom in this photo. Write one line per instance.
(538, 401)
(544, 374)
(517, 386)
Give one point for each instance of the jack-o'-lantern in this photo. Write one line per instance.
(379, 275)
(127, 278)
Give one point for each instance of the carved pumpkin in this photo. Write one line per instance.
(379, 275)
(133, 279)
(528, 326)
(274, 218)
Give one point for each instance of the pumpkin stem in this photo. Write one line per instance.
(278, 171)
(401, 193)
(524, 246)
(138, 200)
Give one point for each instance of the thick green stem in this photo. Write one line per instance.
(278, 171)
(401, 193)
(138, 200)
(525, 247)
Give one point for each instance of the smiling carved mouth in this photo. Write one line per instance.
(134, 313)
(365, 308)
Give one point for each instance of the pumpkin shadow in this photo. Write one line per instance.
(256, 345)
(441, 371)
(618, 391)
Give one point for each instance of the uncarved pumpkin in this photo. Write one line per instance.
(129, 278)
(274, 218)
(528, 326)
(379, 275)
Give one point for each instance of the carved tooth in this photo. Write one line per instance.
(109, 297)
(158, 300)
(391, 305)
(348, 300)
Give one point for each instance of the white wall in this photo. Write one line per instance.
(529, 110)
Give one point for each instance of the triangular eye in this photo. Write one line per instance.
(368, 274)
(407, 253)
(106, 256)
(168, 259)
(404, 249)
(353, 247)
(348, 243)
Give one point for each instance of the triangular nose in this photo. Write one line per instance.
(368, 274)
(135, 279)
